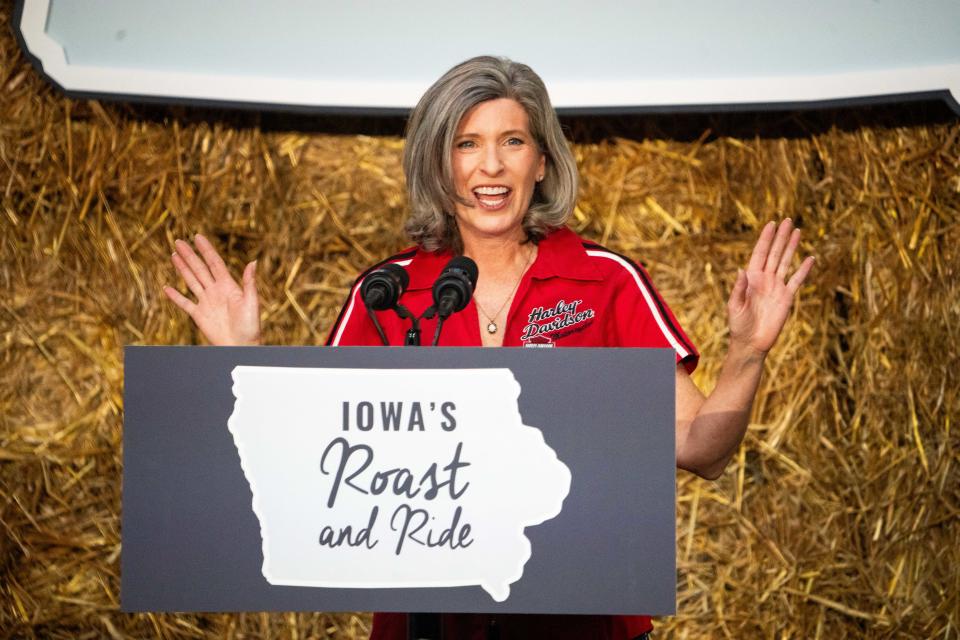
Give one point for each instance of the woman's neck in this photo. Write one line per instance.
(499, 258)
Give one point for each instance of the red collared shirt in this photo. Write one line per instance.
(575, 294)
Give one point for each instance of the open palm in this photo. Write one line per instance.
(226, 313)
(762, 295)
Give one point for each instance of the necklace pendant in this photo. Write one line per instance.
(492, 327)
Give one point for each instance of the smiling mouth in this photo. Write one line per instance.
(491, 197)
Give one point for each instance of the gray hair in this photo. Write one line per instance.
(429, 143)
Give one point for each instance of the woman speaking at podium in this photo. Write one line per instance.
(490, 176)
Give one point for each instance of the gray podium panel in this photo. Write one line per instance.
(193, 521)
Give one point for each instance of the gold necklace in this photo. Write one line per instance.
(491, 322)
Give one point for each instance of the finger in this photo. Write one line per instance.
(796, 280)
(784, 265)
(779, 244)
(250, 281)
(217, 267)
(760, 250)
(187, 274)
(180, 300)
(195, 263)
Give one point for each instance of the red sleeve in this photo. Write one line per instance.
(643, 318)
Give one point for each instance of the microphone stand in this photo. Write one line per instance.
(429, 626)
(421, 626)
(429, 314)
(384, 292)
(412, 339)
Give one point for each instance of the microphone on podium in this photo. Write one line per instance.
(452, 291)
(381, 290)
(454, 288)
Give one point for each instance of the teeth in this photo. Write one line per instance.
(491, 191)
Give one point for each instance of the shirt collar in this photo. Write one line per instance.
(561, 255)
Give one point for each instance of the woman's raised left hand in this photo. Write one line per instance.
(762, 295)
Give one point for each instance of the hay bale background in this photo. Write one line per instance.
(839, 517)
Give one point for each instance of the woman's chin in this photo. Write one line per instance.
(484, 223)
(492, 231)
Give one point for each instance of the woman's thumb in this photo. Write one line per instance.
(249, 279)
(738, 297)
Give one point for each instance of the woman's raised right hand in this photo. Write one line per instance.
(226, 313)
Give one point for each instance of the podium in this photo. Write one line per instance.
(384, 479)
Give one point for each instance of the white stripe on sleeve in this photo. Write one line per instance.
(648, 296)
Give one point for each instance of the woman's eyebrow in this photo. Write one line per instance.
(511, 132)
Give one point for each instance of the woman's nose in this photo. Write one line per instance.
(492, 163)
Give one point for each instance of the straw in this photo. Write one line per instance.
(840, 515)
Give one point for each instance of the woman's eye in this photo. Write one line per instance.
(466, 144)
(514, 141)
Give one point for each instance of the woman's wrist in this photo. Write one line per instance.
(743, 354)
(742, 369)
